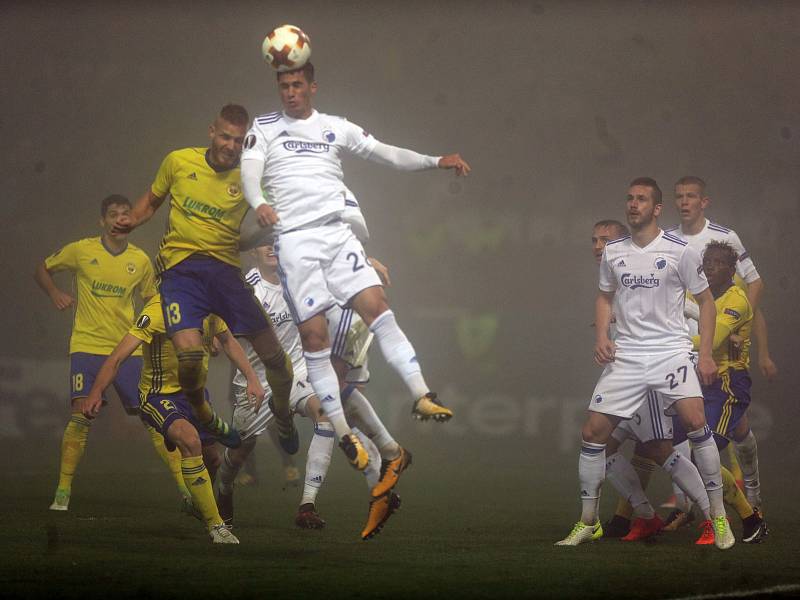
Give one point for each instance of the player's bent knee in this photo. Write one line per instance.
(191, 371)
(185, 437)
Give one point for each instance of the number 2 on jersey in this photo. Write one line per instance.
(672, 377)
(357, 266)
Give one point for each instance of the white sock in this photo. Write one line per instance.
(706, 457)
(399, 352)
(686, 476)
(682, 501)
(318, 460)
(360, 414)
(620, 473)
(591, 473)
(747, 453)
(326, 385)
(373, 470)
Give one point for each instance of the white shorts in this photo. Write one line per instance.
(249, 423)
(321, 267)
(627, 382)
(350, 340)
(648, 423)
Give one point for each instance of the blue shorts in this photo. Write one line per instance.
(201, 285)
(725, 402)
(162, 410)
(84, 367)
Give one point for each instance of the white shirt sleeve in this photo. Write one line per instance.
(255, 144)
(252, 170)
(364, 145)
(690, 271)
(402, 159)
(608, 282)
(745, 267)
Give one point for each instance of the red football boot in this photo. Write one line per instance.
(643, 529)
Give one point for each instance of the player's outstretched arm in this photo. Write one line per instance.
(454, 161)
(91, 404)
(706, 368)
(234, 351)
(61, 299)
(604, 348)
(144, 208)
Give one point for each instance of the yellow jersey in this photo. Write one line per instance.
(160, 368)
(206, 209)
(734, 315)
(105, 283)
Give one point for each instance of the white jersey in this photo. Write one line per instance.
(717, 233)
(650, 285)
(303, 176)
(271, 298)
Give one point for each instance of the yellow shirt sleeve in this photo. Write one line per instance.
(732, 313)
(147, 287)
(216, 325)
(150, 321)
(164, 177)
(64, 259)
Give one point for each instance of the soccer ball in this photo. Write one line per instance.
(286, 48)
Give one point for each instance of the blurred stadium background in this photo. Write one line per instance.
(556, 105)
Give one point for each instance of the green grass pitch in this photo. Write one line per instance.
(476, 521)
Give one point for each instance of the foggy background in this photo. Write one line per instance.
(556, 106)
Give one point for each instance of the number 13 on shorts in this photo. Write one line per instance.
(174, 313)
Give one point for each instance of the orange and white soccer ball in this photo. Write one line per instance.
(286, 48)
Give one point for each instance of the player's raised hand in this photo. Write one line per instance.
(62, 300)
(706, 370)
(454, 161)
(91, 405)
(604, 351)
(125, 224)
(266, 215)
(382, 270)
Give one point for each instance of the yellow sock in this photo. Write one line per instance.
(736, 470)
(72, 446)
(280, 377)
(197, 479)
(734, 496)
(644, 468)
(171, 459)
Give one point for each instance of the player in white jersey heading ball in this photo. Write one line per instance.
(643, 281)
(294, 156)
